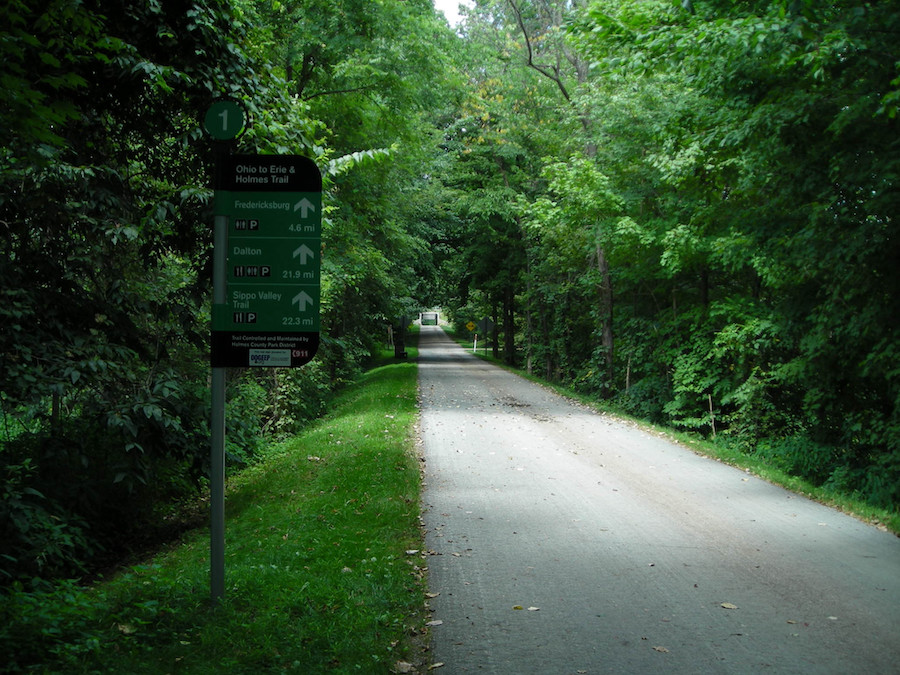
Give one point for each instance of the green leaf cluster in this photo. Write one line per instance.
(105, 261)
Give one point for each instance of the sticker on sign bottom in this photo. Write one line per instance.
(270, 357)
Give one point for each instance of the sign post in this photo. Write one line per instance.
(224, 121)
(217, 432)
(485, 326)
(266, 288)
(266, 276)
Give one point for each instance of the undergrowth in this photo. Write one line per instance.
(318, 579)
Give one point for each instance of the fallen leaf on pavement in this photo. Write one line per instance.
(661, 649)
(728, 605)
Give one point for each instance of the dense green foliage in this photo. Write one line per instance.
(105, 262)
(102, 202)
(708, 217)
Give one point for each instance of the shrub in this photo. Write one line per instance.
(39, 537)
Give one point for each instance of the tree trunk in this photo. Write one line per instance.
(606, 312)
(529, 324)
(495, 333)
(509, 326)
(548, 354)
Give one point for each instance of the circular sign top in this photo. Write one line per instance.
(225, 120)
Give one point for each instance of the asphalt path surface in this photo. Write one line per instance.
(565, 541)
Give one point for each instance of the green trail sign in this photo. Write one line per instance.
(270, 313)
(225, 120)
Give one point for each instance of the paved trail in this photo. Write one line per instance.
(625, 552)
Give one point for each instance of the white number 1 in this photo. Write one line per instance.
(224, 116)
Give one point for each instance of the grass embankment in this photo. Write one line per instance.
(721, 451)
(317, 575)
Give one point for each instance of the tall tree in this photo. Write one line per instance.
(545, 49)
(778, 181)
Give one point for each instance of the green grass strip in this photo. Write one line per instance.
(317, 575)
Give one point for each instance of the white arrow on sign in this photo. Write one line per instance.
(302, 299)
(305, 252)
(304, 206)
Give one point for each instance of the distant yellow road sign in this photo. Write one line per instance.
(471, 325)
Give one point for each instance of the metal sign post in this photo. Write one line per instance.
(485, 326)
(217, 433)
(224, 121)
(266, 276)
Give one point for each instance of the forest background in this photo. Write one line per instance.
(686, 209)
